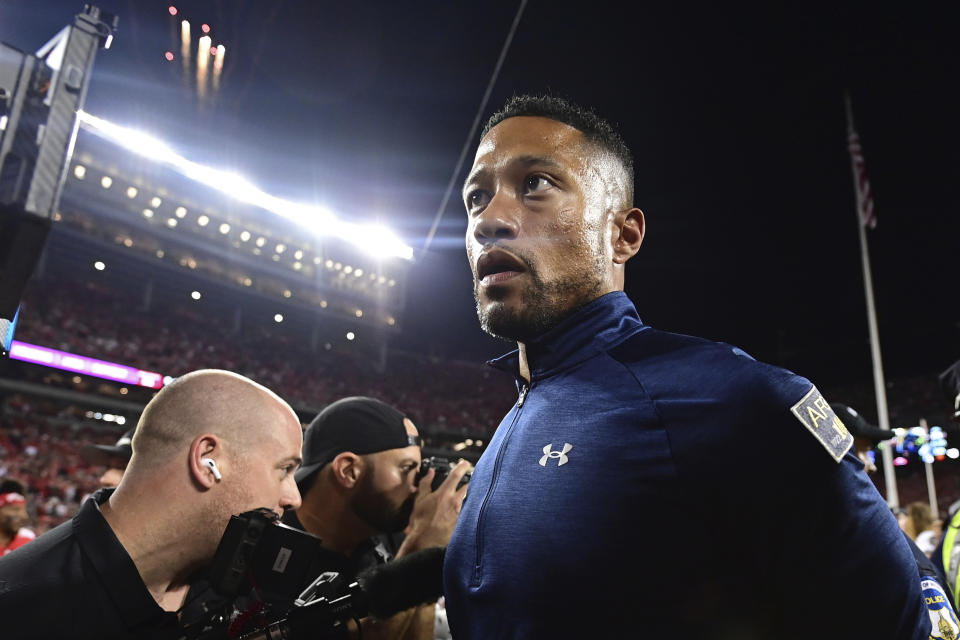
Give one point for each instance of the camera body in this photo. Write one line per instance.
(441, 467)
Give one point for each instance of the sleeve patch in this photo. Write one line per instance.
(943, 621)
(820, 420)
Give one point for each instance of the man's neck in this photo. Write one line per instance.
(524, 365)
(164, 559)
(327, 514)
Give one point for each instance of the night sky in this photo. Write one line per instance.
(735, 117)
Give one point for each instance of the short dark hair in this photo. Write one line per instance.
(12, 486)
(593, 127)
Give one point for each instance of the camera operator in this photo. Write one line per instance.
(209, 445)
(360, 479)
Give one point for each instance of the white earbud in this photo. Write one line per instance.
(209, 463)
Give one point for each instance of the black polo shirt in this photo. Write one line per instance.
(77, 581)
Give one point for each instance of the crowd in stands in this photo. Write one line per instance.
(90, 320)
(41, 446)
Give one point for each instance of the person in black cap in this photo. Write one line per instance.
(359, 478)
(114, 457)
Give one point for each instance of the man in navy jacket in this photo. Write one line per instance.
(645, 484)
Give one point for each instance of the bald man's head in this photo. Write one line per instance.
(210, 445)
(223, 403)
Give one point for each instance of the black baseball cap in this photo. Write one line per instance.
(358, 424)
(109, 454)
(858, 425)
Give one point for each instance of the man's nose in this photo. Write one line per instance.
(291, 498)
(498, 221)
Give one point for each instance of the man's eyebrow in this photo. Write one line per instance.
(522, 161)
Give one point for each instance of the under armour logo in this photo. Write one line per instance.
(548, 452)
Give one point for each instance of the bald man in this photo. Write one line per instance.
(209, 445)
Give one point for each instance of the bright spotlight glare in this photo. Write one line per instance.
(181, 212)
(80, 171)
(224, 228)
(148, 213)
(131, 192)
(195, 295)
(376, 240)
(171, 222)
(156, 201)
(278, 318)
(245, 235)
(106, 182)
(99, 266)
(351, 335)
(203, 221)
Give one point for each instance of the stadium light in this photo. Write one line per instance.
(80, 171)
(351, 335)
(203, 221)
(148, 213)
(181, 212)
(99, 266)
(373, 239)
(106, 182)
(245, 235)
(171, 222)
(278, 318)
(196, 295)
(156, 201)
(132, 192)
(224, 228)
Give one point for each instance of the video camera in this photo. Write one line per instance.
(442, 467)
(273, 581)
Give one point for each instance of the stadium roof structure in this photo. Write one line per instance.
(158, 214)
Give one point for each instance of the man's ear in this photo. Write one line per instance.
(205, 446)
(628, 229)
(347, 468)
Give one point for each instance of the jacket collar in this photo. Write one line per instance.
(595, 328)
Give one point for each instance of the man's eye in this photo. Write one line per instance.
(476, 199)
(535, 183)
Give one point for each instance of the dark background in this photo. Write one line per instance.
(734, 113)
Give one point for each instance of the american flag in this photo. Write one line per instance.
(861, 181)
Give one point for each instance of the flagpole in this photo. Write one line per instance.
(880, 389)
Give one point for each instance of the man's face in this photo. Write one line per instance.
(538, 231)
(385, 493)
(266, 470)
(12, 517)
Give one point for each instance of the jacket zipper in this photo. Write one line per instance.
(493, 481)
